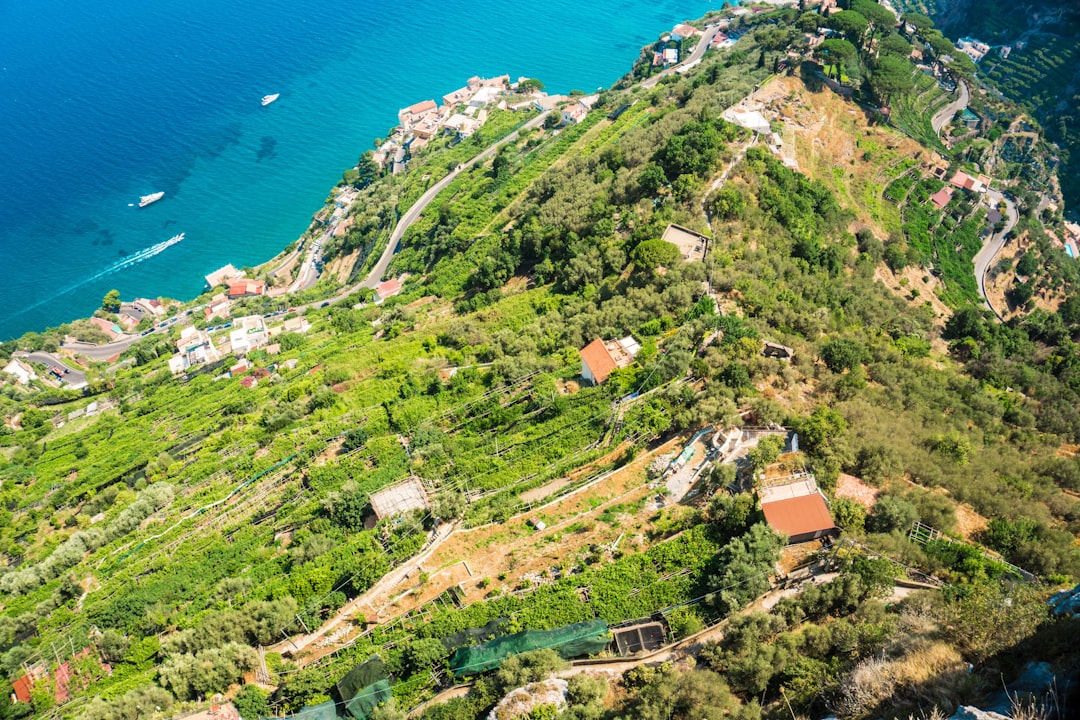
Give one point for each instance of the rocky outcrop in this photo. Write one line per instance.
(519, 703)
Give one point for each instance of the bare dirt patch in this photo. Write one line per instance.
(853, 488)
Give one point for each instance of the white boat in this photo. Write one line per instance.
(151, 198)
(267, 99)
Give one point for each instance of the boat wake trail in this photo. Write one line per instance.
(133, 259)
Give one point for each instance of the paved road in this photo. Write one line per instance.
(100, 353)
(74, 377)
(696, 54)
(946, 113)
(104, 352)
(992, 246)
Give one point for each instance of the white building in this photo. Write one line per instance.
(23, 374)
(248, 333)
(194, 347)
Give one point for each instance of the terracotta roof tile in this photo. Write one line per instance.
(798, 516)
(598, 359)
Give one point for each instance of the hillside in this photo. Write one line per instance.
(1031, 62)
(340, 519)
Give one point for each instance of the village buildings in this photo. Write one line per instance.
(248, 333)
(246, 287)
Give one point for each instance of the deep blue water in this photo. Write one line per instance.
(104, 101)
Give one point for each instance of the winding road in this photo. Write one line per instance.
(375, 276)
(74, 377)
(696, 54)
(947, 113)
(992, 246)
(108, 350)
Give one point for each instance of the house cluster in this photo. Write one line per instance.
(462, 113)
(599, 358)
(197, 347)
(973, 48)
(132, 313)
(576, 111)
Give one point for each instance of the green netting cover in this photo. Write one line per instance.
(322, 711)
(570, 640)
(474, 635)
(367, 699)
(366, 673)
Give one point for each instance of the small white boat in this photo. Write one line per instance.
(151, 198)
(267, 99)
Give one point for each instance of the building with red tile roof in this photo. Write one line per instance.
(599, 358)
(798, 510)
(975, 184)
(942, 197)
(387, 289)
(596, 362)
(246, 287)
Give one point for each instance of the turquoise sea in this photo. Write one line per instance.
(102, 102)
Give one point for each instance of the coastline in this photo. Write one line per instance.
(240, 179)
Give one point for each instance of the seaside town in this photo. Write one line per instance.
(458, 115)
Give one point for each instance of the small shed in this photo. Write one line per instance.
(643, 637)
(400, 499)
(776, 350)
(801, 518)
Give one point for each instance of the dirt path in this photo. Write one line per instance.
(471, 559)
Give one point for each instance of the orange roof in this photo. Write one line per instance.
(798, 516)
(598, 359)
(246, 286)
(22, 689)
(420, 107)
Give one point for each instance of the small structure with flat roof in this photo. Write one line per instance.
(400, 499)
(222, 275)
(22, 373)
(641, 637)
(776, 350)
(749, 119)
(692, 245)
